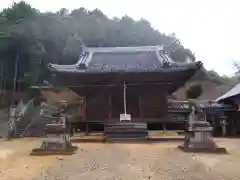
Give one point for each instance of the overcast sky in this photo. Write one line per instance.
(208, 27)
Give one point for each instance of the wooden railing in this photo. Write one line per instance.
(179, 106)
(206, 106)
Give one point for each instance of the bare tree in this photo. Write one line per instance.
(237, 66)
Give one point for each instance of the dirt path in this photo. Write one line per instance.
(97, 161)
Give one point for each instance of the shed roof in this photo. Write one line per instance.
(231, 93)
(123, 59)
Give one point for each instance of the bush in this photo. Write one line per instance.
(194, 91)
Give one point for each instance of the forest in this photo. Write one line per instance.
(30, 39)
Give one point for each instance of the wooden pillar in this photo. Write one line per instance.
(70, 129)
(86, 129)
(165, 106)
(84, 108)
(109, 106)
(140, 106)
(233, 129)
(164, 127)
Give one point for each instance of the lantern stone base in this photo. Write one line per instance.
(204, 143)
(55, 147)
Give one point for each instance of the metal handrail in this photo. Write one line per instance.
(22, 112)
(29, 123)
(18, 117)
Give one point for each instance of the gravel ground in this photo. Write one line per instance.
(155, 161)
(15, 162)
(158, 161)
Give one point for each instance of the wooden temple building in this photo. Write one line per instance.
(131, 81)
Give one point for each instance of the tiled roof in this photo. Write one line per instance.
(131, 61)
(123, 59)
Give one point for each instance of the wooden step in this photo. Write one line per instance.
(126, 139)
(121, 130)
(126, 135)
(132, 124)
(125, 131)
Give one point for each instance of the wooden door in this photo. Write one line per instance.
(97, 107)
(153, 106)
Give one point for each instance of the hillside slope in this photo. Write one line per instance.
(211, 90)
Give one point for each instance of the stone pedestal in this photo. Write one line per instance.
(198, 139)
(54, 145)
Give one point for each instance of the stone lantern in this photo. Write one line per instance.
(198, 135)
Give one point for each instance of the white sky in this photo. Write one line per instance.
(208, 27)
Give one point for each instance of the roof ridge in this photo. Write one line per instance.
(125, 49)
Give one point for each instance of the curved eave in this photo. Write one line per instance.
(74, 69)
(185, 72)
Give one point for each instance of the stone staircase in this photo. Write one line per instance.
(30, 130)
(125, 131)
(37, 126)
(38, 123)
